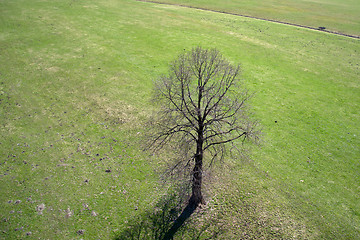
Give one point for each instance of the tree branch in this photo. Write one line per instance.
(224, 141)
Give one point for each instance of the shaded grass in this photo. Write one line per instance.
(75, 84)
(249, 208)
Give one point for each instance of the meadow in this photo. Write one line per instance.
(75, 94)
(335, 15)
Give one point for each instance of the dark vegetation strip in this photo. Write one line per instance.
(322, 29)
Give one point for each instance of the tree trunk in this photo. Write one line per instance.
(196, 197)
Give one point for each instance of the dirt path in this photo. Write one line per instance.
(258, 18)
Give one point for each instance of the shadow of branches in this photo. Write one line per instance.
(237, 208)
(153, 224)
(156, 223)
(224, 217)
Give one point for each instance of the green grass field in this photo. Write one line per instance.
(75, 91)
(335, 15)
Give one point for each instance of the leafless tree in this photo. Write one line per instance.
(203, 109)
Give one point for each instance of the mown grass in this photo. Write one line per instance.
(335, 15)
(76, 79)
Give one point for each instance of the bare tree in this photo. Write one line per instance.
(203, 108)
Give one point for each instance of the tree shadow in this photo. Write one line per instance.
(169, 217)
(153, 224)
(186, 213)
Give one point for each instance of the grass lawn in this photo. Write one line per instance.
(75, 90)
(335, 15)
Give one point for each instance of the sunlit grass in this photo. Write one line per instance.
(334, 15)
(75, 85)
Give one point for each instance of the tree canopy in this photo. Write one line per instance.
(203, 109)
